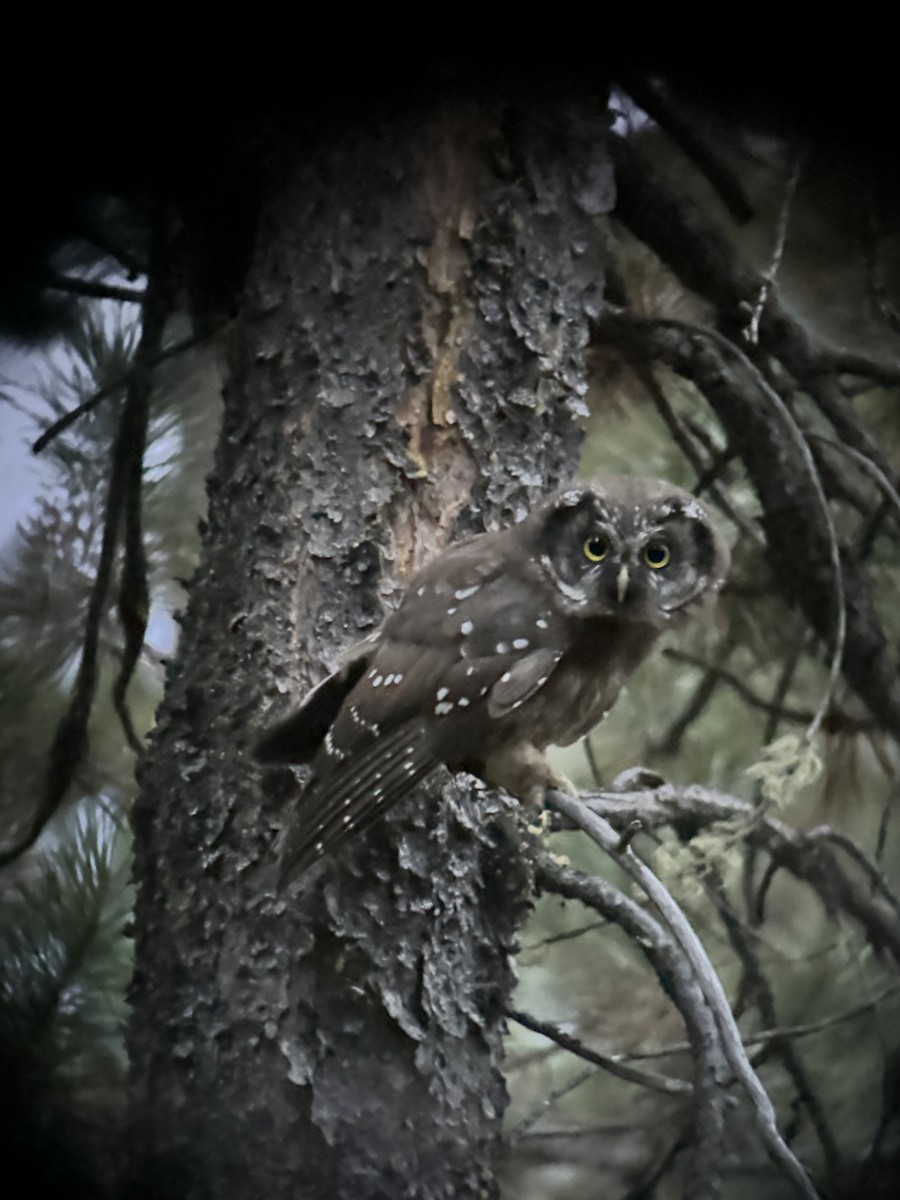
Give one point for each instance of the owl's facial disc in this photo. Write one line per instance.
(641, 552)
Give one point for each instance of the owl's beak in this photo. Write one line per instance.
(622, 583)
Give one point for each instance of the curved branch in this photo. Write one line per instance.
(674, 972)
(805, 857)
(727, 1033)
(798, 528)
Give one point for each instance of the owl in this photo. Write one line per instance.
(505, 644)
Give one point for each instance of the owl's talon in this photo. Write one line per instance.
(627, 835)
(544, 822)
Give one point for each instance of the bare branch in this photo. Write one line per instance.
(728, 1035)
(824, 833)
(686, 446)
(667, 1084)
(755, 984)
(834, 721)
(675, 228)
(783, 1031)
(665, 111)
(851, 363)
(711, 1071)
(564, 937)
(798, 527)
(805, 859)
(866, 464)
(518, 1132)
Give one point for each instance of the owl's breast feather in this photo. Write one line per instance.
(585, 684)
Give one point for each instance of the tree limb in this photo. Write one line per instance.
(807, 859)
(711, 1071)
(727, 1033)
(669, 1085)
(797, 524)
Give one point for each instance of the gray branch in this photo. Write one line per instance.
(713, 995)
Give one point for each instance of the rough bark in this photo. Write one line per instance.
(408, 366)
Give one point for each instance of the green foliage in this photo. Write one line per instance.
(65, 957)
(66, 963)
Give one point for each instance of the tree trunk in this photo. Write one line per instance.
(408, 366)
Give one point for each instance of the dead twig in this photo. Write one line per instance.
(667, 1084)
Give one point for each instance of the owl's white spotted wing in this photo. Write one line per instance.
(463, 638)
(520, 681)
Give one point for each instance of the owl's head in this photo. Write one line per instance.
(623, 546)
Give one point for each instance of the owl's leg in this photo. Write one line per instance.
(523, 771)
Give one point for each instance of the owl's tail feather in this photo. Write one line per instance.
(345, 800)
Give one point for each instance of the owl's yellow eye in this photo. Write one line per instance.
(657, 555)
(596, 549)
